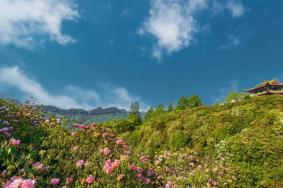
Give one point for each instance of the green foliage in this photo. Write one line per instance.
(149, 114)
(134, 114)
(170, 108)
(182, 103)
(178, 139)
(235, 97)
(236, 144)
(194, 101)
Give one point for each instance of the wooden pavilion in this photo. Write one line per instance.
(269, 87)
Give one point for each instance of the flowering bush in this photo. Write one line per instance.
(46, 153)
(233, 145)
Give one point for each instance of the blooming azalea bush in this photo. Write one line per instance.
(232, 145)
(38, 151)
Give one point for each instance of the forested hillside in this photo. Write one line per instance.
(235, 144)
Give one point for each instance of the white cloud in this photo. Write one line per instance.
(71, 96)
(172, 23)
(24, 22)
(236, 8)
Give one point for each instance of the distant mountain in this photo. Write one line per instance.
(98, 114)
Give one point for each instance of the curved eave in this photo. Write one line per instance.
(262, 86)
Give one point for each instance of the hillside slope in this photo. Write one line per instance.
(242, 142)
(232, 145)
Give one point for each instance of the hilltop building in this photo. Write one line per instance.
(269, 87)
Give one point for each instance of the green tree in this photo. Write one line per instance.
(159, 110)
(194, 101)
(134, 114)
(170, 108)
(182, 103)
(149, 114)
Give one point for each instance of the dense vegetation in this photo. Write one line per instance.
(235, 144)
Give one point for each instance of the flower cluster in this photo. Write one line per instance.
(6, 131)
(109, 165)
(19, 182)
(55, 181)
(90, 179)
(15, 142)
(120, 141)
(140, 174)
(80, 163)
(106, 151)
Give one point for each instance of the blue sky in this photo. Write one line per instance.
(89, 53)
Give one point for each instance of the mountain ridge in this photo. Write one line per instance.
(76, 111)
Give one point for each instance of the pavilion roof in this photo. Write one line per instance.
(264, 84)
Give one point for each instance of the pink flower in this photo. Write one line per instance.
(28, 184)
(69, 180)
(80, 163)
(38, 166)
(81, 126)
(108, 167)
(15, 182)
(90, 179)
(55, 181)
(107, 134)
(169, 184)
(20, 182)
(15, 142)
(120, 141)
(147, 181)
(105, 151)
(133, 167)
(116, 163)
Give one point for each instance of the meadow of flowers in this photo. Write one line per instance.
(234, 145)
(38, 151)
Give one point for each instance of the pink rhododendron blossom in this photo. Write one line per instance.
(38, 166)
(107, 135)
(90, 179)
(169, 184)
(69, 180)
(14, 183)
(147, 181)
(105, 151)
(19, 182)
(80, 163)
(55, 181)
(81, 126)
(15, 142)
(28, 184)
(108, 167)
(120, 142)
(133, 167)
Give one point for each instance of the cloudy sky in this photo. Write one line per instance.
(89, 53)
